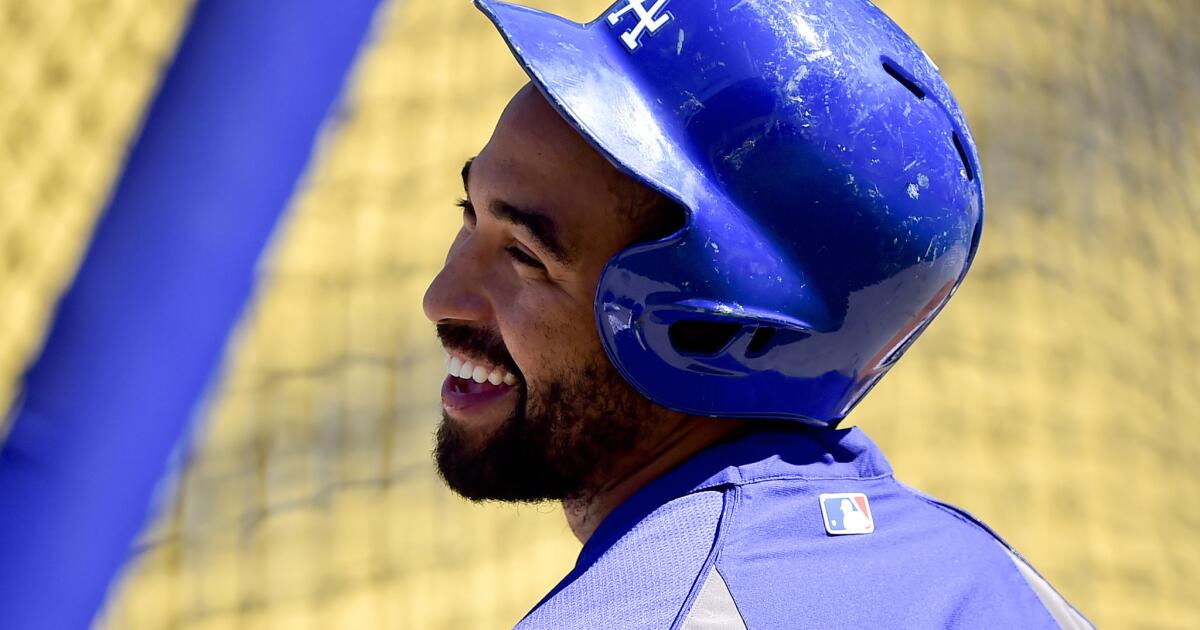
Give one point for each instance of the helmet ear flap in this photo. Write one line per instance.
(702, 338)
(713, 342)
(767, 338)
(742, 341)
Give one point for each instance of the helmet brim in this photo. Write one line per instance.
(588, 79)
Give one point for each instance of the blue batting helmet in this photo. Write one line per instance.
(831, 188)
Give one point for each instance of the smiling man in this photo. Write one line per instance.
(537, 410)
(693, 243)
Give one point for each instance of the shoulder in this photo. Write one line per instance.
(738, 538)
(643, 577)
(924, 564)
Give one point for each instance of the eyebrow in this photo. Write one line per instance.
(542, 228)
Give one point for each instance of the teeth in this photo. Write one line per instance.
(478, 373)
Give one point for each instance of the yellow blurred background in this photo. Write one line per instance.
(1058, 396)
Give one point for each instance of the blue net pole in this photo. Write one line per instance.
(137, 336)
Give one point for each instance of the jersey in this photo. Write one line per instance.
(795, 527)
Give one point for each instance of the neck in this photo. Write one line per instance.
(686, 439)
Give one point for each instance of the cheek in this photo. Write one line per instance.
(550, 336)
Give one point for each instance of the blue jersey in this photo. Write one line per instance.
(796, 528)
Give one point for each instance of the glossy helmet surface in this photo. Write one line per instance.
(831, 188)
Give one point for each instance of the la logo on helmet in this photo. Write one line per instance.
(650, 19)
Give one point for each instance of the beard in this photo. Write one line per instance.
(566, 437)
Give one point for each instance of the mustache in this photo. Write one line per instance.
(477, 342)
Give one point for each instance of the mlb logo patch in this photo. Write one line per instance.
(847, 513)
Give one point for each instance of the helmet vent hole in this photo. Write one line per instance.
(760, 341)
(962, 155)
(702, 338)
(903, 78)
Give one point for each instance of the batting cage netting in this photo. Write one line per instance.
(1057, 398)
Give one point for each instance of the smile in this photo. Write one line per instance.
(465, 369)
(473, 388)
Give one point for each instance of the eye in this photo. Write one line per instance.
(468, 211)
(523, 258)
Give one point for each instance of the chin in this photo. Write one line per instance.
(554, 444)
(472, 432)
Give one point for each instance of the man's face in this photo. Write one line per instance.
(551, 418)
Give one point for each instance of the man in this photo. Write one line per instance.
(691, 245)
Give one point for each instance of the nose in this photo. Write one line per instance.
(456, 292)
